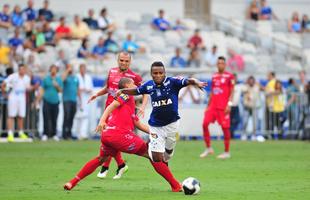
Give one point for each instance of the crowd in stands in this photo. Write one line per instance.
(261, 10)
(37, 30)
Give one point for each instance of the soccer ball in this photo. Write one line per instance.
(191, 186)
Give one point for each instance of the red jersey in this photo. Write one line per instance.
(123, 117)
(113, 78)
(195, 40)
(221, 88)
(63, 29)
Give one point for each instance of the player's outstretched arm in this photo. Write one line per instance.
(129, 91)
(141, 126)
(101, 92)
(102, 123)
(196, 82)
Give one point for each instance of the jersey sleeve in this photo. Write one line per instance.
(179, 81)
(138, 80)
(143, 89)
(122, 99)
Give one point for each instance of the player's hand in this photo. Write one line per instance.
(93, 97)
(201, 85)
(227, 109)
(118, 93)
(141, 112)
(100, 127)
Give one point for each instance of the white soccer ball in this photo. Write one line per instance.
(191, 186)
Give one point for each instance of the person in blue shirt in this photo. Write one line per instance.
(99, 50)
(16, 40)
(29, 12)
(164, 119)
(266, 12)
(16, 17)
(83, 51)
(46, 12)
(90, 21)
(129, 45)
(5, 17)
(51, 86)
(177, 61)
(70, 96)
(160, 23)
(110, 44)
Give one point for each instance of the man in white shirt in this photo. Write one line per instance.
(82, 115)
(211, 57)
(17, 84)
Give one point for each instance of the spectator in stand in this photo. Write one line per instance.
(253, 11)
(29, 12)
(110, 44)
(234, 109)
(49, 34)
(191, 95)
(105, 23)
(15, 41)
(194, 58)
(83, 113)
(305, 23)
(211, 57)
(251, 102)
(70, 96)
(266, 12)
(235, 61)
(160, 23)
(269, 90)
(278, 114)
(179, 27)
(302, 80)
(5, 20)
(62, 31)
(294, 25)
(99, 50)
(177, 61)
(79, 29)
(17, 19)
(196, 41)
(40, 37)
(51, 86)
(18, 83)
(46, 12)
(35, 45)
(83, 51)
(61, 61)
(291, 105)
(132, 47)
(4, 54)
(90, 21)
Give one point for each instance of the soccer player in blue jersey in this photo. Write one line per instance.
(164, 119)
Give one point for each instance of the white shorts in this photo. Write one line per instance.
(17, 105)
(163, 137)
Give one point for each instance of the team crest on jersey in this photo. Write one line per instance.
(158, 93)
(124, 97)
(154, 135)
(223, 80)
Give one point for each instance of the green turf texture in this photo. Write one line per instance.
(271, 170)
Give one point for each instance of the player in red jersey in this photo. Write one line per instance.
(118, 135)
(218, 107)
(115, 74)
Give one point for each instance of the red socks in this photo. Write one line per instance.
(88, 168)
(163, 169)
(206, 135)
(226, 139)
(118, 158)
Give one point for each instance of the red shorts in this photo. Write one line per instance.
(113, 141)
(212, 114)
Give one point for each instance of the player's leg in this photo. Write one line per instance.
(157, 142)
(208, 118)
(160, 167)
(172, 131)
(103, 173)
(121, 166)
(91, 166)
(21, 117)
(224, 120)
(12, 113)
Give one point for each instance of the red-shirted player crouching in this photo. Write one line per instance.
(117, 135)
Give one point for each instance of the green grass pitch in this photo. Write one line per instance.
(271, 170)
